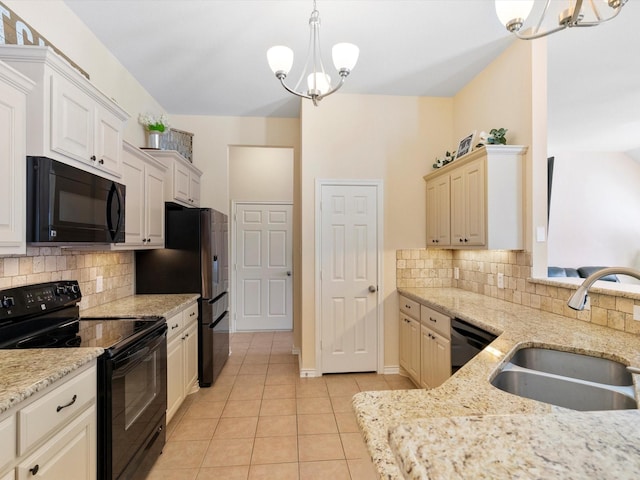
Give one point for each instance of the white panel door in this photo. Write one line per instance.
(264, 258)
(349, 272)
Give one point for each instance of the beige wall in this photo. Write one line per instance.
(260, 174)
(395, 139)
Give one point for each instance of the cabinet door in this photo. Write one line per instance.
(441, 359)
(72, 121)
(71, 454)
(175, 376)
(108, 141)
(426, 366)
(12, 165)
(133, 176)
(438, 212)
(190, 355)
(154, 207)
(405, 342)
(457, 207)
(475, 220)
(414, 350)
(194, 189)
(181, 182)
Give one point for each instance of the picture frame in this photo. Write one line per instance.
(466, 145)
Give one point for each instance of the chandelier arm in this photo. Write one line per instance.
(334, 89)
(522, 36)
(544, 13)
(595, 11)
(593, 24)
(290, 90)
(575, 16)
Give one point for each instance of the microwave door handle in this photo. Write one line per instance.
(114, 194)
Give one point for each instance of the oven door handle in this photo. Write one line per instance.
(132, 358)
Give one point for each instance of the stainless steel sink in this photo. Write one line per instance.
(574, 365)
(559, 378)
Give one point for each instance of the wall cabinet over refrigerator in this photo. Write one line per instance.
(476, 202)
(183, 178)
(144, 178)
(14, 89)
(69, 119)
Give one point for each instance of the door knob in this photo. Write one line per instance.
(288, 273)
(373, 288)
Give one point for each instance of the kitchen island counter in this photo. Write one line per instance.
(399, 426)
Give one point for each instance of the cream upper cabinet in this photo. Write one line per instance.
(69, 119)
(438, 211)
(486, 200)
(144, 178)
(183, 178)
(14, 89)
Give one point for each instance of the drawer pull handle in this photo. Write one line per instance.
(174, 327)
(34, 470)
(73, 400)
(434, 320)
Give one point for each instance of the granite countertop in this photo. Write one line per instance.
(25, 372)
(399, 426)
(162, 305)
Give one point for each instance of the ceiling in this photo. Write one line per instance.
(208, 57)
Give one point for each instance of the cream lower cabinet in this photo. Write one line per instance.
(477, 202)
(410, 338)
(52, 435)
(144, 178)
(182, 357)
(435, 347)
(13, 123)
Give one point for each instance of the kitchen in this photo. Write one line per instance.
(406, 143)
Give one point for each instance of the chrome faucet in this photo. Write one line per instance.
(579, 299)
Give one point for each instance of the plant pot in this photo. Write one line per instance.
(153, 139)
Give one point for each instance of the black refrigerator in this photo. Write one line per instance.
(194, 260)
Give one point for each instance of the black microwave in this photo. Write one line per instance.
(66, 205)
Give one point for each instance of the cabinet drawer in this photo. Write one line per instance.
(436, 321)
(56, 408)
(190, 314)
(410, 307)
(7, 441)
(174, 325)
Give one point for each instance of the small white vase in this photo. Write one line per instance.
(153, 139)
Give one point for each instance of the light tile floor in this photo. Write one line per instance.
(262, 421)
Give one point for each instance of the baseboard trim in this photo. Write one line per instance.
(391, 370)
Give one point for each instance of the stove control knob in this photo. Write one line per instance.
(75, 288)
(7, 302)
(61, 290)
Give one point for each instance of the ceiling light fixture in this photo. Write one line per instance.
(345, 56)
(514, 13)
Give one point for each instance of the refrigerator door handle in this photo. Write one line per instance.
(216, 270)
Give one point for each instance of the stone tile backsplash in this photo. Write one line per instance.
(478, 272)
(45, 264)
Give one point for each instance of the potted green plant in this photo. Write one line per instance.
(155, 126)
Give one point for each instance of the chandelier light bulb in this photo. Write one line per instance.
(345, 56)
(319, 82)
(509, 11)
(280, 59)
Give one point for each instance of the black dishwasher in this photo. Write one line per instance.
(466, 342)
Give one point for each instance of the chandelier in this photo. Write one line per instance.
(345, 56)
(579, 13)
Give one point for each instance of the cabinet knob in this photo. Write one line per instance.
(460, 240)
(466, 240)
(34, 470)
(101, 161)
(92, 158)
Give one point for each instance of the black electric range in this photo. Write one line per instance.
(132, 398)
